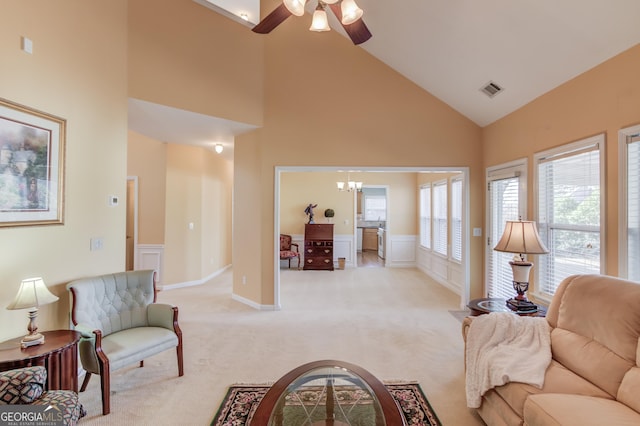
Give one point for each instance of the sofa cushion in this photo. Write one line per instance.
(22, 386)
(557, 379)
(66, 402)
(596, 330)
(550, 409)
(135, 344)
(630, 386)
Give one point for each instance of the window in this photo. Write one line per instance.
(569, 200)
(375, 207)
(630, 221)
(456, 219)
(506, 200)
(440, 217)
(425, 216)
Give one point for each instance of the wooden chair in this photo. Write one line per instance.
(287, 251)
(121, 324)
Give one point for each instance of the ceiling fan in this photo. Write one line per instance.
(347, 12)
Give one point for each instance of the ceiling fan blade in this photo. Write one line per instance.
(272, 20)
(357, 32)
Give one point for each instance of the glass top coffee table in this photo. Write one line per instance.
(328, 392)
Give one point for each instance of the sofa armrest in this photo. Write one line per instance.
(89, 347)
(466, 323)
(162, 315)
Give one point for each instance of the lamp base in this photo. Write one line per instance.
(522, 305)
(32, 340)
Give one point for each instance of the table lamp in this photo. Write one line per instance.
(521, 237)
(32, 294)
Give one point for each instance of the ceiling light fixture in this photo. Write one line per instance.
(319, 22)
(219, 148)
(347, 12)
(244, 16)
(351, 185)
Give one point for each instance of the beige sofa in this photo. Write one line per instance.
(594, 375)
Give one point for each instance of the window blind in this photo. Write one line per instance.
(456, 219)
(504, 205)
(425, 216)
(633, 207)
(569, 199)
(440, 218)
(375, 207)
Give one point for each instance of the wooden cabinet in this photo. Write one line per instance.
(370, 239)
(318, 246)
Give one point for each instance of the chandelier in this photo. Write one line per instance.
(346, 11)
(350, 12)
(351, 185)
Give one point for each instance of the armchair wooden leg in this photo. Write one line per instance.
(180, 363)
(85, 382)
(105, 386)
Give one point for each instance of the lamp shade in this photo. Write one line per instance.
(295, 6)
(219, 148)
(350, 12)
(32, 293)
(521, 236)
(319, 22)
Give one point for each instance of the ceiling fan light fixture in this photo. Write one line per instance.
(320, 21)
(295, 6)
(350, 12)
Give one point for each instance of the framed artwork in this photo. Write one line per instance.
(31, 166)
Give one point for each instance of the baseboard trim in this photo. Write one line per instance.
(193, 283)
(253, 304)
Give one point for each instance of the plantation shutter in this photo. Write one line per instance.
(425, 216)
(440, 217)
(569, 196)
(633, 207)
(456, 219)
(504, 205)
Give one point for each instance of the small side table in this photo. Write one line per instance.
(494, 304)
(58, 354)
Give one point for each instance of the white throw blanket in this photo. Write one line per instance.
(503, 347)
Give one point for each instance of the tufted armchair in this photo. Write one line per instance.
(26, 386)
(121, 324)
(287, 251)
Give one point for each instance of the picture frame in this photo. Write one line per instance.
(32, 152)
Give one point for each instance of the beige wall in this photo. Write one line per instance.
(183, 55)
(147, 159)
(602, 100)
(78, 72)
(298, 189)
(340, 107)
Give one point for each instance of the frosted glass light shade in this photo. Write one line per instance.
(295, 6)
(350, 12)
(219, 148)
(319, 22)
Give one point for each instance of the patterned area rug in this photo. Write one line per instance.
(241, 402)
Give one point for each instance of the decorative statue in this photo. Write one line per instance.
(309, 212)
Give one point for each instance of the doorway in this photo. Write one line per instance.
(132, 223)
(405, 251)
(372, 216)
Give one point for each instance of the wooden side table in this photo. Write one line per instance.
(494, 304)
(58, 354)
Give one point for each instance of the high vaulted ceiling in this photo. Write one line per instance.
(452, 48)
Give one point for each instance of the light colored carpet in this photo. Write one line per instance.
(393, 322)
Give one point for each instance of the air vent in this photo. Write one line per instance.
(491, 89)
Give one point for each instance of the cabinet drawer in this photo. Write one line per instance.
(318, 251)
(318, 262)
